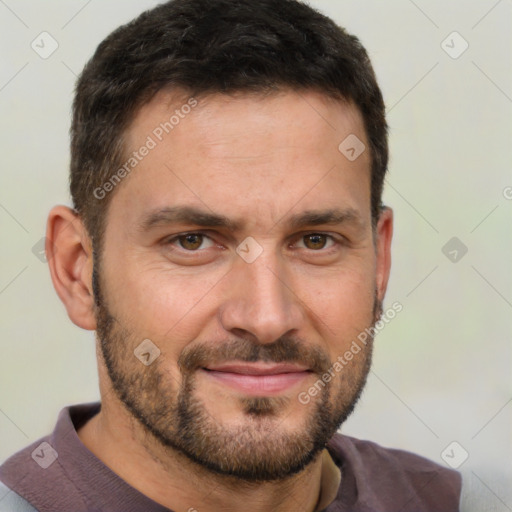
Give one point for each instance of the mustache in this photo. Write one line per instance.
(286, 349)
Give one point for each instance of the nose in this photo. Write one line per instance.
(261, 302)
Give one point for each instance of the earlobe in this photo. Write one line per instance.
(383, 246)
(69, 255)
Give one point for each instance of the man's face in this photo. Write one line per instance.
(242, 247)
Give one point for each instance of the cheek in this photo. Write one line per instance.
(162, 303)
(342, 301)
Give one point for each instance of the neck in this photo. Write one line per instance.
(172, 480)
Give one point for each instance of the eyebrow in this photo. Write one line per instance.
(334, 216)
(186, 215)
(197, 217)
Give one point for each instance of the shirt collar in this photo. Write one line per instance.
(330, 477)
(330, 480)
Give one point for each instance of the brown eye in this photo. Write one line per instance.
(191, 242)
(315, 241)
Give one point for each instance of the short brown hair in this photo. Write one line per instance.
(211, 46)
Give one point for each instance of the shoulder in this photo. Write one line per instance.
(36, 474)
(385, 477)
(40, 472)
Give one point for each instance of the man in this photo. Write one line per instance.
(229, 246)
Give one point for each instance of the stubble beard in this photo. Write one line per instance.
(256, 449)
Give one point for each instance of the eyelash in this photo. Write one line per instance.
(337, 241)
(176, 238)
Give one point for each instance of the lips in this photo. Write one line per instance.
(257, 368)
(257, 379)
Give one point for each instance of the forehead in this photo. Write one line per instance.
(216, 115)
(246, 154)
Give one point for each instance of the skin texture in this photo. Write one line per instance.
(171, 429)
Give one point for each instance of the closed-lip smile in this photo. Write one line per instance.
(258, 378)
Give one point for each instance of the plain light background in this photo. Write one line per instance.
(442, 367)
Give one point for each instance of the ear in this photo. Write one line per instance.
(69, 255)
(384, 234)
